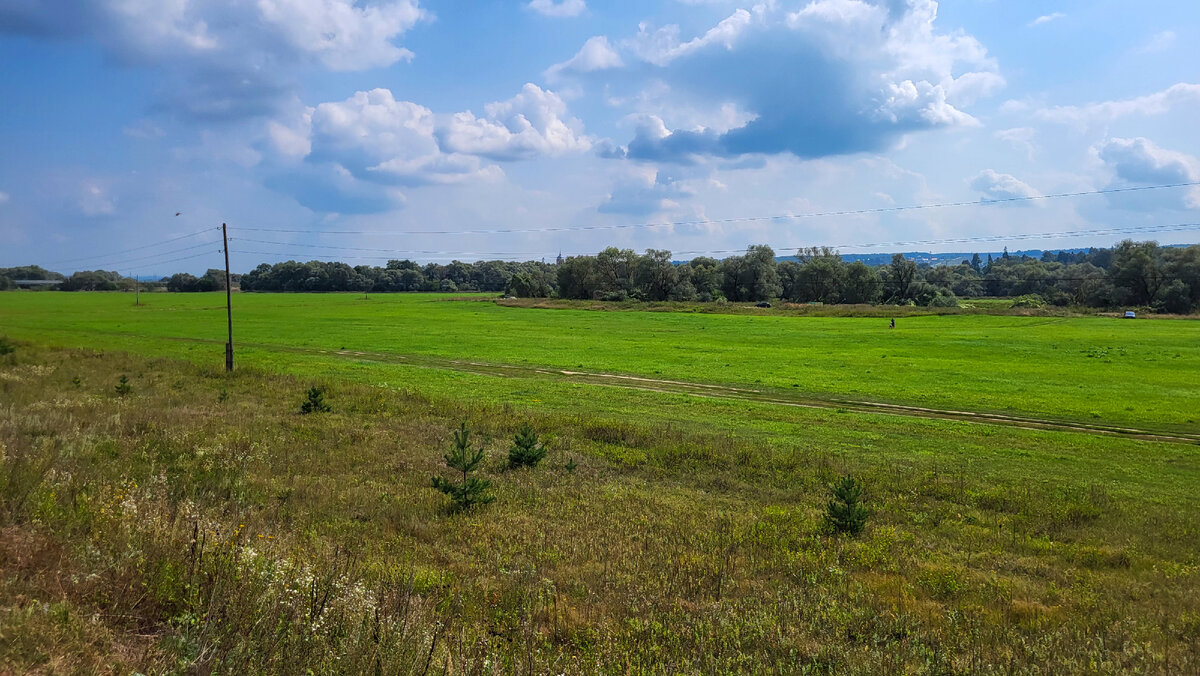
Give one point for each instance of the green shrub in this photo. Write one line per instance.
(470, 491)
(314, 401)
(844, 513)
(526, 450)
(123, 387)
(1032, 300)
(6, 346)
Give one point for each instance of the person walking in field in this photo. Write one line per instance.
(893, 323)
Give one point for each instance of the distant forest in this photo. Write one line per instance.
(1131, 274)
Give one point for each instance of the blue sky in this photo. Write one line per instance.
(397, 128)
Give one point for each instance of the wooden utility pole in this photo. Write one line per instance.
(228, 303)
(137, 290)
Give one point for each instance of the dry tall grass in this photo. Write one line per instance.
(201, 524)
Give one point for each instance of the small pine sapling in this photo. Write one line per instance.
(6, 347)
(315, 401)
(844, 513)
(123, 387)
(571, 465)
(77, 382)
(471, 491)
(526, 450)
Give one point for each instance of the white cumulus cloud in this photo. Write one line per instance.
(661, 46)
(376, 137)
(531, 124)
(1047, 18)
(833, 77)
(644, 191)
(1152, 104)
(342, 34)
(227, 58)
(292, 139)
(997, 186)
(596, 54)
(1140, 161)
(351, 155)
(562, 8)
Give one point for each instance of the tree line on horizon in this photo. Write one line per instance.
(1138, 274)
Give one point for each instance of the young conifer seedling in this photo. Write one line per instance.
(470, 491)
(314, 401)
(844, 513)
(526, 450)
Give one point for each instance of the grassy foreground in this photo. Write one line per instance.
(201, 524)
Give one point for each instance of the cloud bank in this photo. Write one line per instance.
(832, 78)
(1139, 161)
(365, 148)
(227, 59)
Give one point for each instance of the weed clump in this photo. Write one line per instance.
(1030, 300)
(470, 491)
(6, 346)
(527, 450)
(123, 387)
(314, 401)
(845, 513)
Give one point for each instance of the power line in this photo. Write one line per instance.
(186, 258)
(1172, 227)
(389, 250)
(294, 254)
(127, 261)
(991, 281)
(171, 260)
(130, 250)
(747, 219)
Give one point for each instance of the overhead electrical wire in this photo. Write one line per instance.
(185, 258)
(1172, 227)
(1178, 227)
(744, 219)
(394, 252)
(1006, 280)
(127, 261)
(126, 264)
(132, 249)
(277, 253)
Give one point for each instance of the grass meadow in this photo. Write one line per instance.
(1085, 368)
(200, 524)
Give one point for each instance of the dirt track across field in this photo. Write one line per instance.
(760, 396)
(713, 391)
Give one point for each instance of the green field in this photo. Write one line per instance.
(1094, 369)
(199, 521)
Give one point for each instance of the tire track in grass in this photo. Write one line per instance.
(705, 390)
(713, 391)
